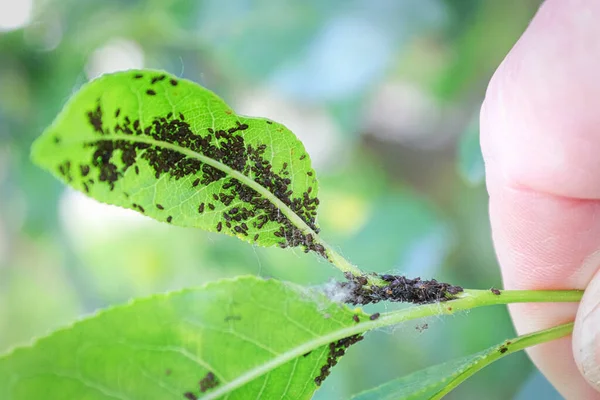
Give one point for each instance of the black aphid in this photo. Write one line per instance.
(495, 291)
(169, 219)
(157, 79)
(201, 208)
(373, 317)
(150, 92)
(173, 82)
(159, 206)
(219, 227)
(117, 112)
(208, 382)
(196, 182)
(211, 206)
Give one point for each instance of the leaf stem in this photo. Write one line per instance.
(476, 298)
(466, 300)
(504, 349)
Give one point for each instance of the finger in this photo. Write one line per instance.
(540, 127)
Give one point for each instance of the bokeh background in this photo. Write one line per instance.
(384, 93)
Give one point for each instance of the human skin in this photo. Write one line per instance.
(540, 136)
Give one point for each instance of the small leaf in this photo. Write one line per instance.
(426, 383)
(174, 151)
(434, 382)
(247, 338)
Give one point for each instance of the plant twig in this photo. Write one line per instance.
(504, 349)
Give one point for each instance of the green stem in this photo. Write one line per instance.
(466, 300)
(473, 299)
(504, 349)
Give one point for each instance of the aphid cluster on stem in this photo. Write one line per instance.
(398, 288)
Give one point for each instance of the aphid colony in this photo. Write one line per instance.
(398, 289)
(226, 147)
(336, 350)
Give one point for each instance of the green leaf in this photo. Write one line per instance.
(249, 337)
(174, 151)
(435, 382)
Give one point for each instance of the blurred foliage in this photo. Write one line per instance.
(470, 159)
(380, 91)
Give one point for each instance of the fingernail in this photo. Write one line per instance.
(586, 338)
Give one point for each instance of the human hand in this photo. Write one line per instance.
(540, 135)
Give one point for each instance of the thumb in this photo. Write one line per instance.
(586, 335)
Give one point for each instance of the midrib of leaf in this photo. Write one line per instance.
(335, 258)
(289, 355)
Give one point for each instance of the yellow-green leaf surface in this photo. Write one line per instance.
(246, 338)
(435, 382)
(174, 151)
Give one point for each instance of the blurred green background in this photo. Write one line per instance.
(384, 93)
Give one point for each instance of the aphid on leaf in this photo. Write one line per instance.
(373, 317)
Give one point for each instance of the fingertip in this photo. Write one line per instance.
(539, 121)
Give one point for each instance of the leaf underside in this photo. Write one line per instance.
(174, 151)
(174, 346)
